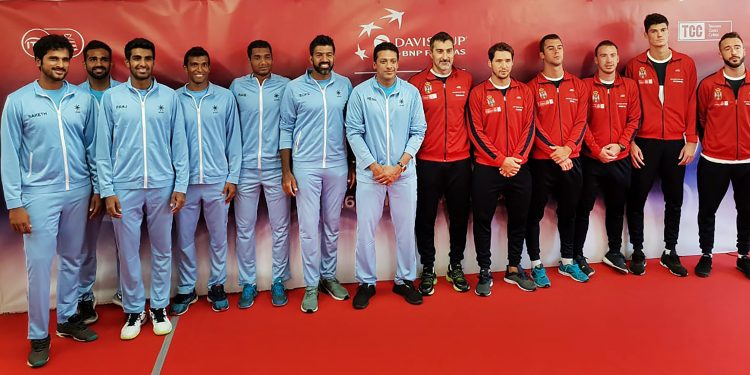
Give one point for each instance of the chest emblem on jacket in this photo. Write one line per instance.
(642, 72)
(427, 87)
(717, 94)
(490, 101)
(542, 94)
(161, 108)
(595, 96)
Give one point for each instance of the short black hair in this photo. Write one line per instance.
(729, 35)
(603, 43)
(546, 38)
(440, 37)
(196, 51)
(51, 42)
(139, 43)
(96, 44)
(321, 40)
(258, 44)
(385, 46)
(498, 47)
(654, 19)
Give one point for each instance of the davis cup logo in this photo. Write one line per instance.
(387, 27)
(33, 35)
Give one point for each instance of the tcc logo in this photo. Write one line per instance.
(701, 31)
(32, 36)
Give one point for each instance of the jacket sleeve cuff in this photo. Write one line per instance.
(14, 203)
(180, 188)
(285, 140)
(573, 146)
(233, 179)
(104, 193)
(366, 162)
(691, 138)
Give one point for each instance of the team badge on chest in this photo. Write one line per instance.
(427, 87)
(542, 94)
(717, 94)
(595, 96)
(490, 101)
(642, 72)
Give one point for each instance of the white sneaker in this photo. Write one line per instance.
(159, 319)
(132, 326)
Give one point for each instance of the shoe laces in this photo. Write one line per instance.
(576, 271)
(248, 291)
(159, 315)
(133, 318)
(217, 291)
(484, 275)
(39, 345)
(277, 288)
(311, 291)
(457, 274)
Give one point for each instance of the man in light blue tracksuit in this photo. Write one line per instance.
(258, 96)
(312, 137)
(213, 134)
(142, 159)
(46, 164)
(97, 59)
(385, 125)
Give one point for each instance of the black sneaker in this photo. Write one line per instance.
(363, 295)
(409, 292)
(672, 263)
(218, 298)
(428, 281)
(638, 263)
(39, 354)
(583, 264)
(703, 268)
(743, 264)
(86, 311)
(616, 260)
(484, 287)
(457, 278)
(77, 329)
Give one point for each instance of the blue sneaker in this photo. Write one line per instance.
(573, 271)
(181, 302)
(539, 275)
(278, 293)
(218, 298)
(249, 292)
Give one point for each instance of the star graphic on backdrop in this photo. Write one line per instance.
(368, 28)
(360, 52)
(393, 16)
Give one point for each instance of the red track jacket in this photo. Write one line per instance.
(724, 120)
(501, 126)
(446, 138)
(677, 116)
(614, 115)
(561, 114)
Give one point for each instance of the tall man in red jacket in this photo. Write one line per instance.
(724, 124)
(614, 114)
(561, 101)
(443, 162)
(666, 141)
(501, 125)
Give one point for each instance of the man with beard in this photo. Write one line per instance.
(46, 154)
(443, 162)
(561, 105)
(141, 151)
(215, 154)
(724, 120)
(312, 138)
(258, 96)
(665, 142)
(501, 118)
(97, 59)
(613, 115)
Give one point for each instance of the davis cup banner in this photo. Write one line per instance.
(225, 28)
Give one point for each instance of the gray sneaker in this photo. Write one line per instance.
(520, 279)
(484, 287)
(117, 299)
(334, 288)
(310, 300)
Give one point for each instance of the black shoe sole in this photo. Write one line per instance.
(68, 335)
(670, 270)
(623, 270)
(743, 272)
(703, 274)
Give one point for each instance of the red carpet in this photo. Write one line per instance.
(656, 324)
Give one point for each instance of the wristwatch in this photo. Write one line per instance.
(402, 165)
